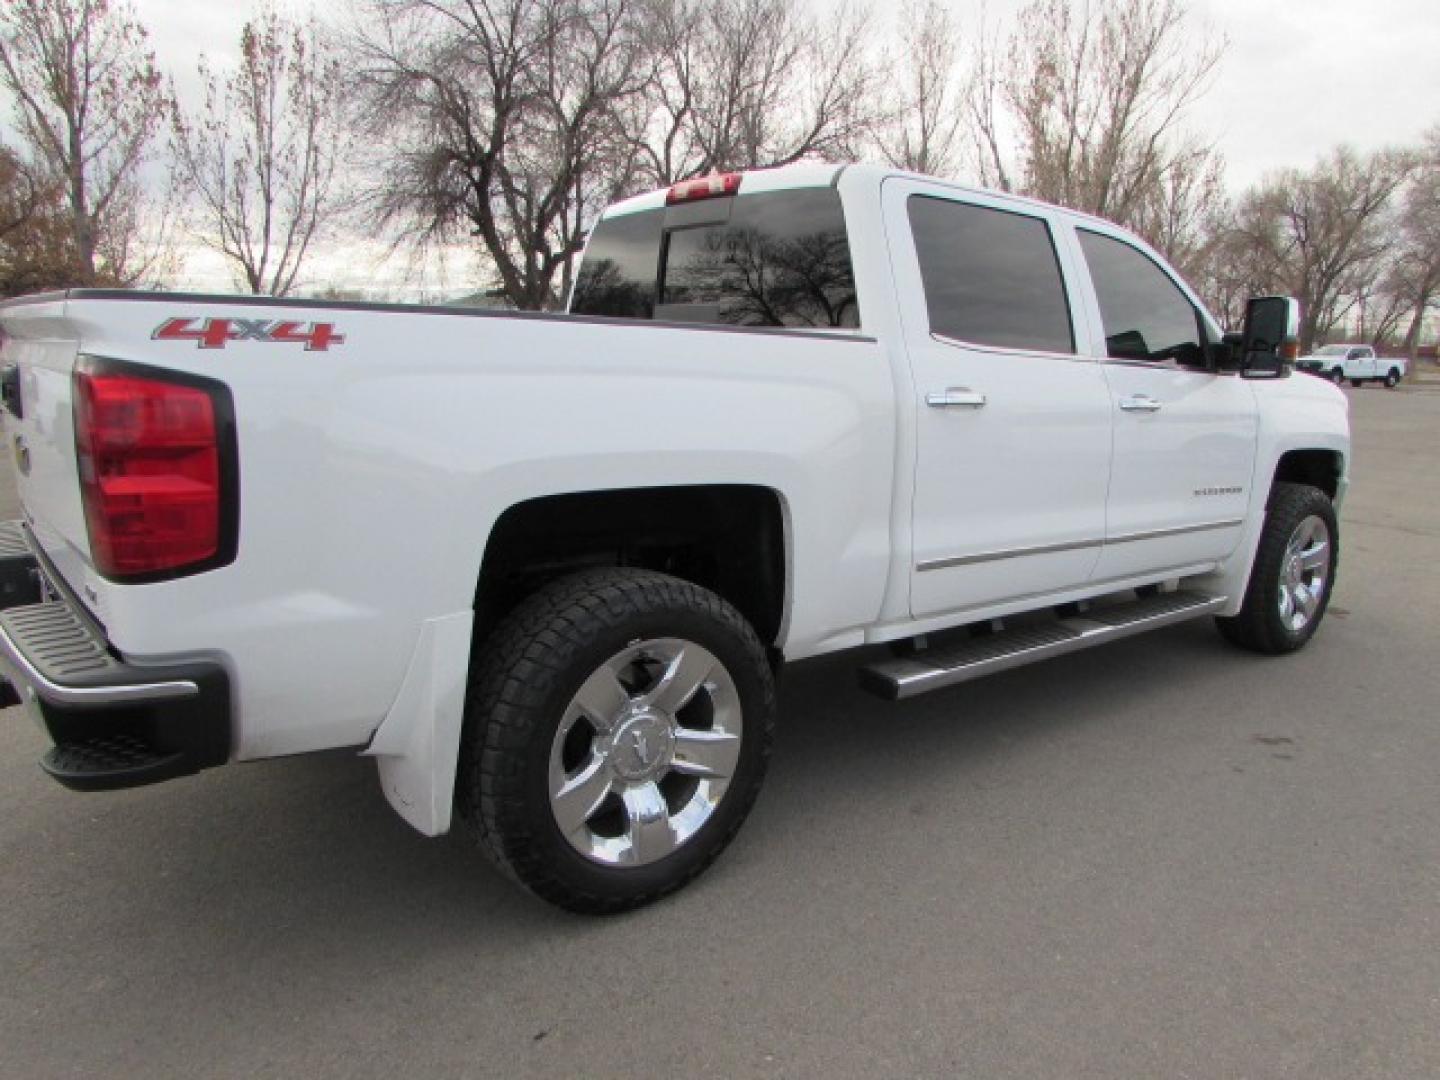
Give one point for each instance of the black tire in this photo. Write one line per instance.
(1337, 376)
(1392, 378)
(1259, 626)
(1356, 383)
(531, 667)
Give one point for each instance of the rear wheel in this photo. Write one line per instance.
(1392, 378)
(616, 735)
(1356, 383)
(1337, 376)
(1293, 575)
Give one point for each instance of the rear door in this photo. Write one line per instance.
(1012, 423)
(1185, 436)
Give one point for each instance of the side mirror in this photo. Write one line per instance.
(1270, 340)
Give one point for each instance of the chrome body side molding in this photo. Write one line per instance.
(1075, 545)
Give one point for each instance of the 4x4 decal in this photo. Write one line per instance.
(216, 333)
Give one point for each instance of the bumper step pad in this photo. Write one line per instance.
(114, 724)
(946, 666)
(111, 761)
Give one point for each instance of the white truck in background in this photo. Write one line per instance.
(545, 568)
(1358, 363)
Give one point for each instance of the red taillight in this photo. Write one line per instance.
(151, 473)
(706, 187)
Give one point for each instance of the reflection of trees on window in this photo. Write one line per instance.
(759, 279)
(603, 288)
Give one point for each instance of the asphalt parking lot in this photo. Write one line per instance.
(1161, 859)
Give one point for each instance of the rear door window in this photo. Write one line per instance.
(991, 276)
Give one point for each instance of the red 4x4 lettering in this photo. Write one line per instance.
(215, 333)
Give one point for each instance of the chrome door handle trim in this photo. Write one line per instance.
(957, 397)
(1139, 403)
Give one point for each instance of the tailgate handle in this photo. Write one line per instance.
(10, 389)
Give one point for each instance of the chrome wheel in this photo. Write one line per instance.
(1304, 573)
(645, 752)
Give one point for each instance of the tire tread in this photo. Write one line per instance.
(1257, 626)
(516, 673)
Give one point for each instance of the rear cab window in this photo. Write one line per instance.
(769, 259)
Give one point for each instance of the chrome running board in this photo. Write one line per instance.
(945, 666)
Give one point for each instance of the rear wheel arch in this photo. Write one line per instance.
(729, 538)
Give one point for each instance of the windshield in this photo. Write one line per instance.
(778, 258)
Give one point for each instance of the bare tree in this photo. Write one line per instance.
(88, 101)
(503, 119)
(1180, 212)
(1331, 228)
(1384, 304)
(1095, 97)
(923, 134)
(744, 84)
(261, 155)
(1414, 278)
(1237, 259)
(986, 114)
(23, 195)
(37, 251)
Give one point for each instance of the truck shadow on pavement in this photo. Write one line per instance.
(294, 877)
(313, 837)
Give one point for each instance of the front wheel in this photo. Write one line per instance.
(1392, 378)
(1293, 574)
(616, 735)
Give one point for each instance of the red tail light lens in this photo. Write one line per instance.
(155, 474)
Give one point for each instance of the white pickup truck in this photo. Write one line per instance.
(1358, 363)
(544, 569)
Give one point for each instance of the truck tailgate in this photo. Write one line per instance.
(40, 344)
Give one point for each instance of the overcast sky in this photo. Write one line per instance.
(1298, 76)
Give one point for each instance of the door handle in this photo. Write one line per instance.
(1140, 403)
(956, 397)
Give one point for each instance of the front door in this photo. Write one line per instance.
(1012, 425)
(1185, 436)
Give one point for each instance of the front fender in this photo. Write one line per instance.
(1295, 413)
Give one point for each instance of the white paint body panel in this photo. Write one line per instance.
(371, 475)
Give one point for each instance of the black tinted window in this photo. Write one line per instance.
(773, 259)
(618, 275)
(782, 259)
(1146, 315)
(991, 277)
